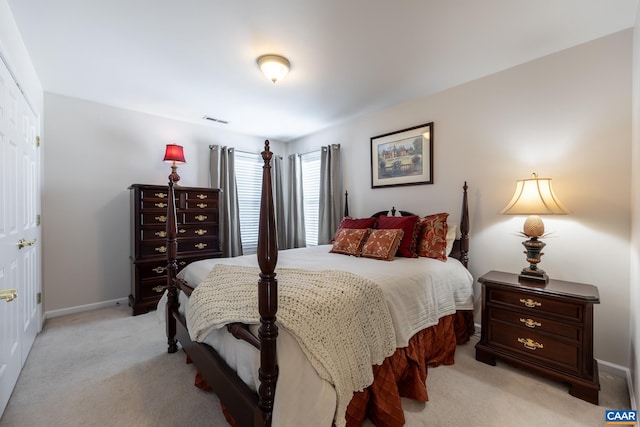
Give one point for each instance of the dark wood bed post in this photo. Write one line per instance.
(172, 268)
(464, 228)
(267, 293)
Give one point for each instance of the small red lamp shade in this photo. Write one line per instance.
(174, 154)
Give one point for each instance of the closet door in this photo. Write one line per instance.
(19, 232)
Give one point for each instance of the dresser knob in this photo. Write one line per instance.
(530, 323)
(530, 344)
(158, 289)
(530, 303)
(201, 217)
(161, 249)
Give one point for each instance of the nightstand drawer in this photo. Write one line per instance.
(535, 346)
(535, 303)
(529, 321)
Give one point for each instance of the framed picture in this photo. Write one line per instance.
(404, 157)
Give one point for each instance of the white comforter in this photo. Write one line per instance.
(418, 291)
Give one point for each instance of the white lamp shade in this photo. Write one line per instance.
(534, 196)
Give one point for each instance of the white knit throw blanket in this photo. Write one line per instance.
(340, 320)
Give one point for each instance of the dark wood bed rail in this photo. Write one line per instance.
(246, 408)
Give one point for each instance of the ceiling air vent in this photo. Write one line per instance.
(213, 119)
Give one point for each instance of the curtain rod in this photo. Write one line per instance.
(211, 147)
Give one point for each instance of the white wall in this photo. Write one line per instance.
(94, 152)
(566, 116)
(635, 223)
(13, 50)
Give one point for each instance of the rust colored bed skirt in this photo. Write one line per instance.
(403, 374)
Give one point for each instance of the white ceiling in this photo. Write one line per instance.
(191, 58)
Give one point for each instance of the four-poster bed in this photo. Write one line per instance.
(404, 370)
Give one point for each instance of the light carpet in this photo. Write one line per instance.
(108, 368)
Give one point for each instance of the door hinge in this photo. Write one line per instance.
(38, 141)
(37, 219)
(39, 298)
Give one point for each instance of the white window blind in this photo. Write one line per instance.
(249, 185)
(310, 163)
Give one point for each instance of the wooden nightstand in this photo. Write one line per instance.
(545, 328)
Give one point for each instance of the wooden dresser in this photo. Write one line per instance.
(198, 237)
(545, 328)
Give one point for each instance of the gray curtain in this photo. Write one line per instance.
(222, 175)
(330, 193)
(278, 201)
(296, 237)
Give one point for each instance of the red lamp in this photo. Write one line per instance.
(174, 155)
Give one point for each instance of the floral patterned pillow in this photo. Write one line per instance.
(382, 244)
(432, 236)
(349, 241)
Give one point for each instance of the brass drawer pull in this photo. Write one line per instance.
(200, 232)
(530, 344)
(182, 231)
(161, 195)
(161, 218)
(530, 303)
(201, 245)
(530, 323)
(202, 205)
(201, 217)
(158, 289)
(9, 294)
(201, 196)
(161, 205)
(161, 249)
(159, 269)
(161, 233)
(182, 263)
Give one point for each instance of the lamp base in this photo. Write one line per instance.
(536, 276)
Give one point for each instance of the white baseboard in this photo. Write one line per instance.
(619, 371)
(80, 308)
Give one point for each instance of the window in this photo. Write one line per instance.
(310, 163)
(249, 185)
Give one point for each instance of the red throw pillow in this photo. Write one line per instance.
(408, 224)
(432, 236)
(355, 223)
(349, 241)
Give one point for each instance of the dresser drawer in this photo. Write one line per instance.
(197, 205)
(534, 322)
(152, 288)
(154, 205)
(198, 244)
(204, 217)
(158, 217)
(535, 303)
(535, 346)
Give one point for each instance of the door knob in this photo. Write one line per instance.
(9, 294)
(22, 243)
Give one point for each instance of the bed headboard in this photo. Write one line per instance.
(460, 249)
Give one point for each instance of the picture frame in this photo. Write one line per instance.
(403, 157)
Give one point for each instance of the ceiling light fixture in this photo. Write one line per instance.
(275, 67)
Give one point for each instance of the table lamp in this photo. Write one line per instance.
(534, 197)
(174, 154)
